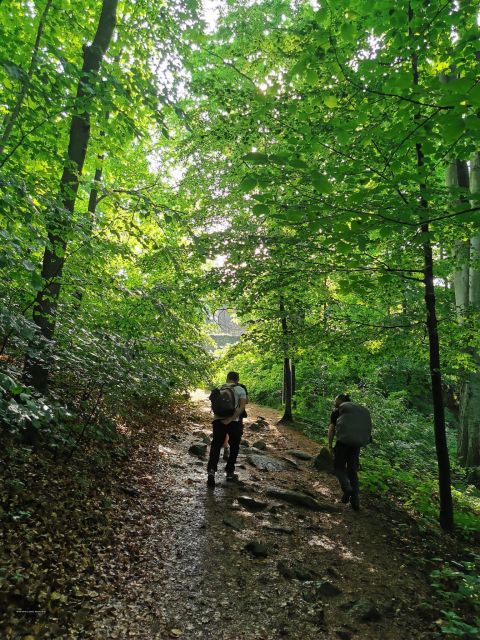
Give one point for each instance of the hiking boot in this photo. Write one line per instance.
(346, 497)
(355, 501)
(211, 479)
(231, 477)
(226, 453)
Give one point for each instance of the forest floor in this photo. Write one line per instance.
(179, 564)
(135, 546)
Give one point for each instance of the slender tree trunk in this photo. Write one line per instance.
(474, 288)
(287, 371)
(469, 427)
(37, 369)
(456, 175)
(444, 481)
(287, 385)
(10, 119)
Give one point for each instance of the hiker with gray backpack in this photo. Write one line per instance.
(351, 425)
(228, 406)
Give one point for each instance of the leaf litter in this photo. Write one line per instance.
(142, 549)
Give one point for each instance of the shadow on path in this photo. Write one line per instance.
(322, 575)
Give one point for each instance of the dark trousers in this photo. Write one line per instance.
(346, 460)
(234, 430)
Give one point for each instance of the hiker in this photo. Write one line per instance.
(351, 425)
(226, 448)
(228, 405)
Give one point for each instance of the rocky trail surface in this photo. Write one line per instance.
(274, 555)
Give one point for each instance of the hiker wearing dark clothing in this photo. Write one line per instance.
(228, 405)
(351, 426)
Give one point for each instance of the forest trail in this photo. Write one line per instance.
(176, 568)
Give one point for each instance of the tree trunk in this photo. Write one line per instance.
(287, 371)
(474, 288)
(37, 368)
(444, 481)
(456, 175)
(469, 427)
(287, 385)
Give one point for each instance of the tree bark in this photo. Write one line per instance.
(287, 385)
(444, 481)
(287, 371)
(456, 175)
(469, 415)
(10, 119)
(37, 368)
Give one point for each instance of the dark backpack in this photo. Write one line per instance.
(223, 401)
(354, 425)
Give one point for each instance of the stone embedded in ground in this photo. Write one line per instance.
(130, 491)
(233, 521)
(257, 549)
(327, 589)
(318, 618)
(250, 450)
(301, 455)
(299, 499)
(198, 449)
(296, 571)
(252, 504)
(265, 463)
(255, 426)
(365, 611)
(324, 461)
(279, 529)
(244, 443)
(201, 435)
(291, 462)
(260, 444)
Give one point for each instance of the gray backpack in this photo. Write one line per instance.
(354, 425)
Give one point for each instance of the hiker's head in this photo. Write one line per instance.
(343, 397)
(233, 377)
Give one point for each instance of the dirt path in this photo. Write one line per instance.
(178, 570)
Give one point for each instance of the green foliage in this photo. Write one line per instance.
(129, 326)
(458, 585)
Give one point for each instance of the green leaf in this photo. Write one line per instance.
(297, 163)
(37, 281)
(248, 183)
(331, 101)
(29, 266)
(256, 158)
(261, 209)
(347, 31)
(280, 158)
(321, 183)
(294, 214)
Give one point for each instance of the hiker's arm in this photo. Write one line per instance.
(241, 408)
(238, 412)
(331, 435)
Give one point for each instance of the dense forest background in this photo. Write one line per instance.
(313, 167)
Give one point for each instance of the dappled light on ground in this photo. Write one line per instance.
(236, 564)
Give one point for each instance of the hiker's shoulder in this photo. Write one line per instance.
(240, 390)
